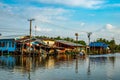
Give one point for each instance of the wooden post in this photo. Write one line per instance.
(22, 47)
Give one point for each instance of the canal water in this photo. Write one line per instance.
(61, 67)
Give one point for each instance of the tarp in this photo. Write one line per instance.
(98, 44)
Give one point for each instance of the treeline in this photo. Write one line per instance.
(112, 44)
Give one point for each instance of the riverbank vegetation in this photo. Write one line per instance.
(112, 44)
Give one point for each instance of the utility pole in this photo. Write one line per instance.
(30, 32)
(31, 26)
(89, 35)
(35, 30)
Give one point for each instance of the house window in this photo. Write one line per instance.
(0, 44)
(9, 44)
(6, 44)
(3, 44)
(12, 44)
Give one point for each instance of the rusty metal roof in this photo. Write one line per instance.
(69, 43)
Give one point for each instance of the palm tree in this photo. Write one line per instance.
(89, 34)
(76, 34)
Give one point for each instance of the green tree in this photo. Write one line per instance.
(117, 48)
(102, 40)
(58, 38)
(81, 42)
(111, 44)
(69, 39)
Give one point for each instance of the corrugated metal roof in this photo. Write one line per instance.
(15, 37)
(2, 38)
(38, 41)
(68, 43)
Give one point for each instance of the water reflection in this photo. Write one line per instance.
(26, 63)
(76, 68)
(7, 61)
(102, 60)
(80, 67)
(104, 63)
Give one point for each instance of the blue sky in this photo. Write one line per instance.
(61, 18)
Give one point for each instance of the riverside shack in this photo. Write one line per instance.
(7, 45)
(98, 47)
(69, 46)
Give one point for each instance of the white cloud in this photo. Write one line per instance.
(109, 26)
(43, 29)
(47, 17)
(112, 29)
(41, 14)
(108, 32)
(112, 5)
(77, 3)
(46, 14)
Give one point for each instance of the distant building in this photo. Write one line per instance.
(98, 47)
(49, 42)
(69, 46)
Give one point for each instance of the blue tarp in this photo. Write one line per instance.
(98, 44)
